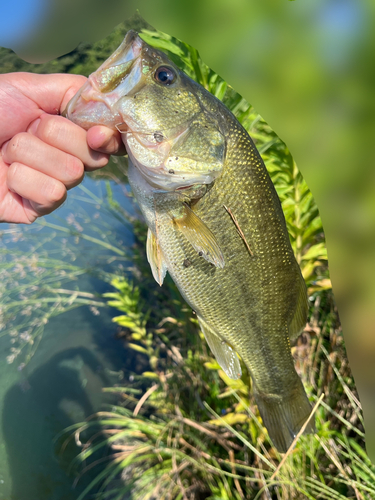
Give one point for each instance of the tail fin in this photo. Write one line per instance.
(284, 417)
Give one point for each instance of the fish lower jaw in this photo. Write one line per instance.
(88, 111)
(163, 179)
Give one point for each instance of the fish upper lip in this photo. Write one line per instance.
(129, 51)
(174, 133)
(93, 83)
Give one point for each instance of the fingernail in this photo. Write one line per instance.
(106, 135)
(34, 126)
(97, 156)
(4, 148)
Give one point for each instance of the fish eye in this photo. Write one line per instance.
(165, 75)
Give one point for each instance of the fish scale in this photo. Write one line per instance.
(215, 221)
(224, 300)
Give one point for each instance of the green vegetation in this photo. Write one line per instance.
(182, 430)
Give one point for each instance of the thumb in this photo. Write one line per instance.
(50, 92)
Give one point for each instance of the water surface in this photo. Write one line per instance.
(77, 356)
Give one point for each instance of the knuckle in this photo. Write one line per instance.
(16, 147)
(75, 169)
(55, 192)
(13, 174)
(48, 129)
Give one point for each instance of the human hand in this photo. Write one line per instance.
(43, 155)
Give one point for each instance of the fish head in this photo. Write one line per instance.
(171, 126)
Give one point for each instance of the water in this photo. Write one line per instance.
(77, 356)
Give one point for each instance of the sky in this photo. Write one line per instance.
(19, 19)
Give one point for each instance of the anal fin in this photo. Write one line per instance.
(224, 354)
(155, 258)
(200, 237)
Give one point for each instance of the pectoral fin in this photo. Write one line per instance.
(200, 237)
(155, 258)
(224, 354)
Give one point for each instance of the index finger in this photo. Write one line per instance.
(50, 92)
(68, 137)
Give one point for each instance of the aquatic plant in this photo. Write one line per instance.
(40, 264)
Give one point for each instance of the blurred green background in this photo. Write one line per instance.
(307, 66)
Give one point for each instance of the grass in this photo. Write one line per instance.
(192, 433)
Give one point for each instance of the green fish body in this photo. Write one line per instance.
(215, 221)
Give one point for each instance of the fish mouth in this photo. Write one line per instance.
(106, 99)
(117, 77)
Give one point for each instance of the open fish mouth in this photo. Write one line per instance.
(117, 77)
(169, 135)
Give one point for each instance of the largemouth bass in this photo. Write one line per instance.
(215, 221)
